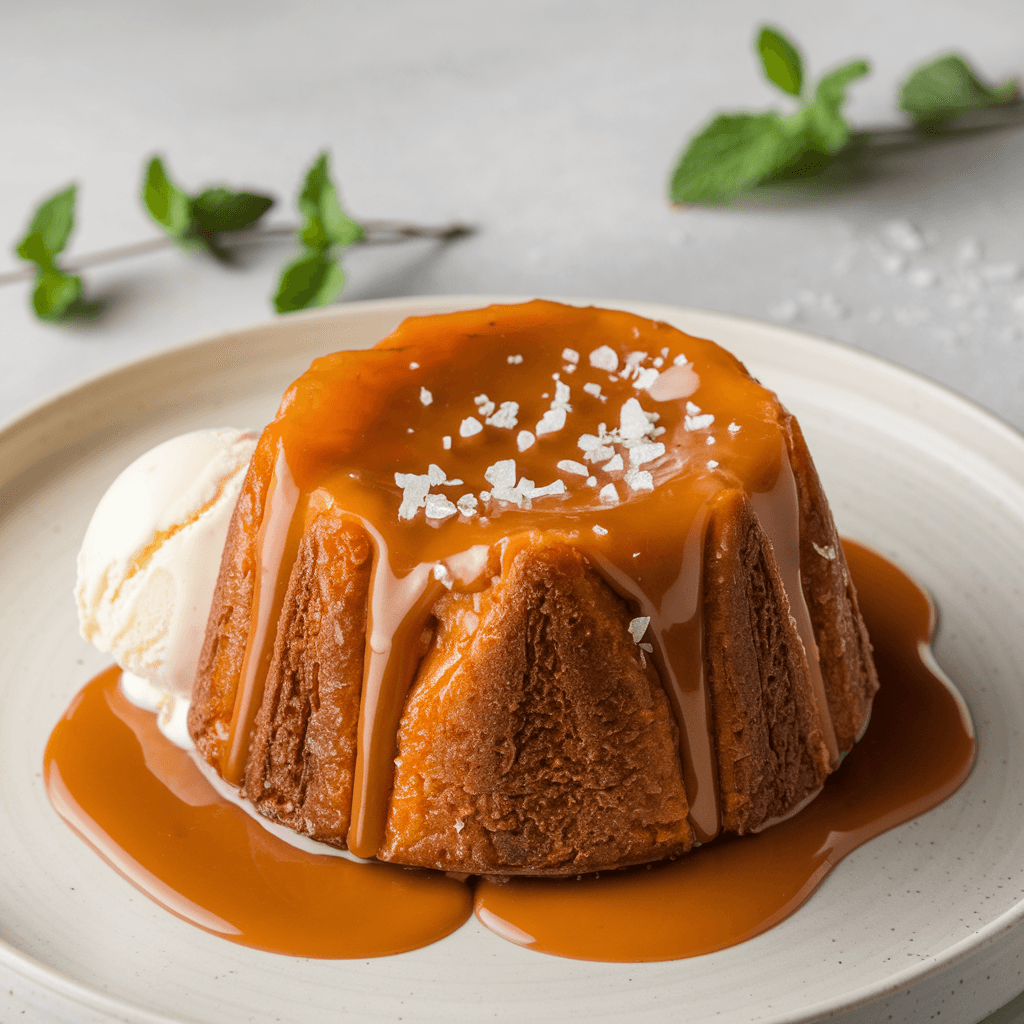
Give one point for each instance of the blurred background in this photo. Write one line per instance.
(551, 126)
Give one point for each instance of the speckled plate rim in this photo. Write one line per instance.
(24, 437)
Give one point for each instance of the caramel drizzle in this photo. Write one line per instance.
(778, 511)
(401, 604)
(277, 534)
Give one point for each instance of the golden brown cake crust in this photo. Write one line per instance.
(768, 734)
(844, 649)
(303, 749)
(537, 742)
(227, 631)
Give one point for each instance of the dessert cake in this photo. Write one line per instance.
(531, 590)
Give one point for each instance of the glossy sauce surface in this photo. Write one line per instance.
(145, 807)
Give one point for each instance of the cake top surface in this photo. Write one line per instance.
(460, 430)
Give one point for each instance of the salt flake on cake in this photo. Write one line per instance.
(604, 358)
(553, 420)
(415, 488)
(505, 416)
(639, 480)
(645, 452)
(438, 507)
(524, 440)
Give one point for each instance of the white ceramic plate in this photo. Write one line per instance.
(926, 918)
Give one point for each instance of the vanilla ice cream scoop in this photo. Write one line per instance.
(151, 555)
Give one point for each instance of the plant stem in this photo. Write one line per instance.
(378, 232)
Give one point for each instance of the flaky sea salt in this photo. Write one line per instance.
(593, 389)
(439, 507)
(604, 358)
(633, 421)
(470, 426)
(609, 494)
(568, 466)
(648, 452)
(570, 355)
(614, 464)
(446, 442)
(901, 234)
(484, 406)
(552, 420)
(529, 491)
(639, 480)
(698, 422)
(514, 360)
(638, 627)
(425, 396)
(502, 473)
(645, 377)
(524, 440)
(593, 450)
(600, 531)
(415, 488)
(505, 417)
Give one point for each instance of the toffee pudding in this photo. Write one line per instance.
(531, 590)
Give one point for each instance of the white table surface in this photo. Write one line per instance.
(551, 125)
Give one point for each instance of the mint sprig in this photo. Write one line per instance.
(947, 87)
(57, 295)
(739, 150)
(736, 151)
(196, 221)
(316, 278)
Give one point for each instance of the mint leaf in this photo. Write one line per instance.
(946, 87)
(827, 130)
(781, 60)
(223, 209)
(50, 229)
(167, 204)
(56, 294)
(733, 153)
(326, 224)
(314, 279)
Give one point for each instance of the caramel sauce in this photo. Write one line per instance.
(918, 749)
(355, 419)
(145, 807)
